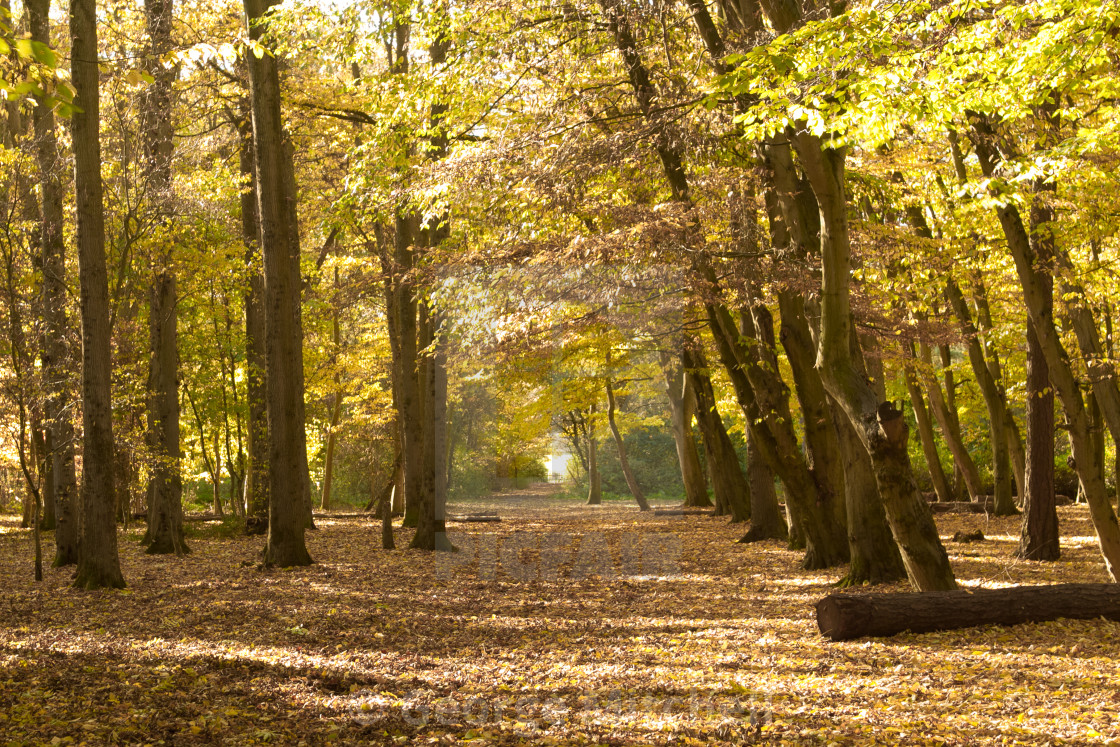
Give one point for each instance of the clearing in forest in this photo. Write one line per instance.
(680, 637)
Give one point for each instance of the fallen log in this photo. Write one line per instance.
(480, 518)
(683, 512)
(842, 617)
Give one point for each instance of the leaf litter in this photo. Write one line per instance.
(656, 630)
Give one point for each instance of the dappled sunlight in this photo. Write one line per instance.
(367, 645)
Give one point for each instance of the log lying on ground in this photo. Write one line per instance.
(683, 512)
(474, 518)
(842, 617)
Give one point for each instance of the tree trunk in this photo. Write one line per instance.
(165, 486)
(623, 460)
(729, 484)
(336, 414)
(842, 617)
(1061, 375)
(1014, 438)
(995, 399)
(879, 425)
(424, 506)
(950, 427)
(98, 563)
(767, 521)
(57, 356)
(288, 479)
(682, 406)
(1038, 538)
(926, 435)
(256, 353)
(594, 480)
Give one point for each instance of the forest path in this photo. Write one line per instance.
(563, 624)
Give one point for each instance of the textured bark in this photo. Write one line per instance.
(729, 484)
(842, 617)
(875, 556)
(407, 373)
(1039, 532)
(682, 408)
(256, 352)
(880, 425)
(98, 563)
(767, 520)
(165, 483)
(1061, 375)
(289, 484)
(57, 356)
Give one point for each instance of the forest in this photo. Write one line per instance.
(548, 371)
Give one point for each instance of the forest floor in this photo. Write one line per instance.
(656, 630)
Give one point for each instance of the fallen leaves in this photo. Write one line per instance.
(381, 647)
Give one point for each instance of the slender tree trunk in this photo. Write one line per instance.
(729, 483)
(57, 358)
(1015, 445)
(950, 427)
(289, 482)
(767, 520)
(594, 480)
(98, 563)
(1037, 293)
(336, 414)
(256, 353)
(682, 406)
(994, 399)
(927, 437)
(623, 460)
(165, 487)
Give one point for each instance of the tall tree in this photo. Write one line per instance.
(57, 355)
(165, 486)
(289, 483)
(98, 563)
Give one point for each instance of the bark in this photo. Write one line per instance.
(682, 407)
(729, 484)
(623, 459)
(289, 483)
(880, 425)
(407, 373)
(98, 563)
(1039, 532)
(57, 359)
(764, 399)
(165, 486)
(424, 507)
(1061, 375)
(842, 617)
(256, 353)
(594, 480)
(767, 520)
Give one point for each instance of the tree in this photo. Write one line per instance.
(98, 564)
(165, 487)
(279, 241)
